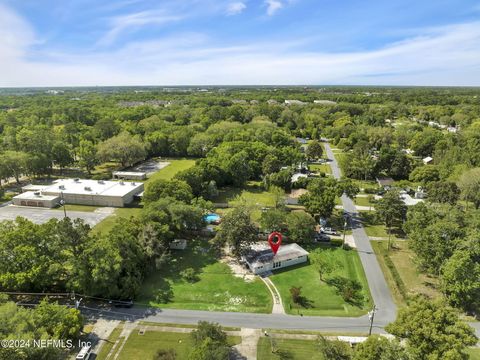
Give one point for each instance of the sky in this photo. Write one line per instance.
(239, 42)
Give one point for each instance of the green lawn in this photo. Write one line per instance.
(403, 260)
(363, 201)
(253, 194)
(375, 228)
(108, 345)
(169, 171)
(216, 289)
(322, 299)
(368, 184)
(325, 168)
(73, 207)
(474, 353)
(288, 349)
(145, 346)
(108, 223)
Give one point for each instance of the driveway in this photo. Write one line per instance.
(41, 215)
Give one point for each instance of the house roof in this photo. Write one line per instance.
(92, 187)
(385, 181)
(265, 255)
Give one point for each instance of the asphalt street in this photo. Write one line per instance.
(379, 290)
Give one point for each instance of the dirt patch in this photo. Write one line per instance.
(237, 269)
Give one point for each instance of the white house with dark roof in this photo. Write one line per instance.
(262, 259)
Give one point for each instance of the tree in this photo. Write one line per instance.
(324, 263)
(237, 230)
(301, 226)
(272, 220)
(314, 150)
(380, 348)
(14, 164)
(391, 210)
(334, 349)
(124, 148)
(61, 154)
(348, 187)
(210, 342)
(425, 174)
(444, 192)
(320, 198)
(296, 294)
(87, 153)
(160, 188)
(278, 195)
(432, 331)
(460, 277)
(271, 164)
(469, 185)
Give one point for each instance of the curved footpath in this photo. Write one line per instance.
(379, 290)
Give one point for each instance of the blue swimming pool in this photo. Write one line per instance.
(212, 218)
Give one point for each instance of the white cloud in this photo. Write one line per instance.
(236, 8)
(447, 55)
(273, 6)
(134, 21)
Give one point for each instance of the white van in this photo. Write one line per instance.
(85, 353)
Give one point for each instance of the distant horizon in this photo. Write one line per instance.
(277, 42)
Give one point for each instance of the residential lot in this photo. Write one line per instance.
(40, 216)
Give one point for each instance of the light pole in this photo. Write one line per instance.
(371, 316)
(62, 202)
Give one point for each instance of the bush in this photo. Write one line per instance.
(296, 293)
(371, 190)
(163, 354)
(164, 295)
(189, 275)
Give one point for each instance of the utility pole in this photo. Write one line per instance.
(371, 316)
(344, 230)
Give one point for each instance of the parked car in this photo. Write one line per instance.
(121, 303)
(84, 353)
(319, 237)
(328, 231)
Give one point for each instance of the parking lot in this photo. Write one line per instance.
(40, 216)
(149, 166)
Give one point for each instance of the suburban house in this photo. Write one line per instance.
(81, 192)
(385, 182)
(262, 259)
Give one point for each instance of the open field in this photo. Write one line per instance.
(411, 279)
(145, 346)
(288, 349)
(320, 298)
(169, 171)
(215, 289)
(474, 353)
(108, 223)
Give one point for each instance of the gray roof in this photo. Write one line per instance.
(263, 256)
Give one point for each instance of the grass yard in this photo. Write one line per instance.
(169, 171)
(217, 289)
(474, 353)
(108, 345)
(411, 279)
(363, 201)
(325, 168)
(145, 346)
(320, 298)
(73, 207)
(374, 228)
(108, 223)
(291, 349)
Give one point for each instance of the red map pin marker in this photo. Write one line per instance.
(275, 240)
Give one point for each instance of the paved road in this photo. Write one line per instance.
(381, 294)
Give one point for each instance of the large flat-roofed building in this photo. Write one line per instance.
(263, 260)
(36, 199)
(91, 192)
